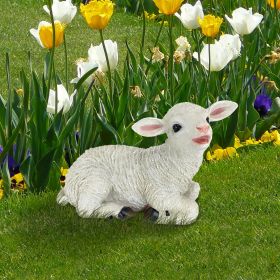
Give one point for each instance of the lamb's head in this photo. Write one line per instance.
(186, 124)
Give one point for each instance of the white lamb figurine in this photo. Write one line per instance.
(117, 180)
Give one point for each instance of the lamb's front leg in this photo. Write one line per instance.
(193, 191)
(172, 208)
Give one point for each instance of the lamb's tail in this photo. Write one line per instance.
(62, 199)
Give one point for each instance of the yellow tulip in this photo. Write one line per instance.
(168, 7)
(97, 13)
(210, 25)
(272, 4)
(46, 35)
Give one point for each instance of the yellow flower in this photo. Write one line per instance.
(63, 172)
(273, 136)
(219, 153)
(272, 3)
(19, 91)
(237, 143)
(210, 25)
(168, 7)
(252, 141)
(1, 189)
(46, 35)
(17, 183)
(276, 136)
(150, 16)
(97, 13)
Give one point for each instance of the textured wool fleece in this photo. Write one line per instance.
(105, 179)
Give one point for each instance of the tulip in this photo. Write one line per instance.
(220, 56)
(210, 25)
(44, 34)
(82, 68)
(168, 7)
(64, 101)
(190, 15)
(233, 43)
(63, 11)
(97, 13)
(271, 3)
(244, 21)
(96, 54)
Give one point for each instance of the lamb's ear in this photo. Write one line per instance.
(221, 110)
(149, 127)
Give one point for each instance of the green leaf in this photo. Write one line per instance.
(25, 168)
(69, 125)
(123, 100)
(109, 128)
(84, 77)
(6, 178)
(11, 140)
(265, 124)
(41, 177)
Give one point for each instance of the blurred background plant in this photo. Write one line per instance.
(45, 125)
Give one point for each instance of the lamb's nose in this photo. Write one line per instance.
(203, 128)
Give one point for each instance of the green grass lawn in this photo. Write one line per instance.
(237, 234)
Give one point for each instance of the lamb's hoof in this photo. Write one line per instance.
(125, 213)
(151, 214)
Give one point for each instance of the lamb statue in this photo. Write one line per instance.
(118, 181)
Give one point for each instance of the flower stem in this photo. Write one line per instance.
(156, 42)
(108, 64)
(208, 76)
(52, 50)
(66, 62)
(55, 88)
(143, 28)
(171, 64)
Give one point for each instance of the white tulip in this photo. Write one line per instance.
(82, 68)
(63, 11)
(232, 42)
(244, 21)
(220, 56)
(64, 101)
(96, 54)
(190, 15)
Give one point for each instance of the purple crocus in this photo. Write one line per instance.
(12, 164)
(263, 103)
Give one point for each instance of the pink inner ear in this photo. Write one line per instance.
(150, 127)
(217, 111)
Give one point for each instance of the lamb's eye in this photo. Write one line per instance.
(176, 127)
(207, 119)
